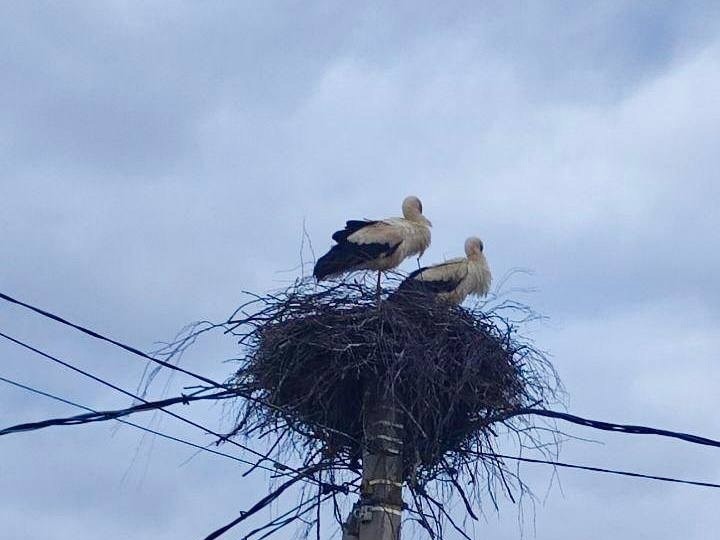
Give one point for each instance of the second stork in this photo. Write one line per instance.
(452, 281)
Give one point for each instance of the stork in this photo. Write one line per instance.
(453, 280)
(377, 244)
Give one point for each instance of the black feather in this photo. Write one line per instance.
(352, 226)
(415, 284)
(346, 256)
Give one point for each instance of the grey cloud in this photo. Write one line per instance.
(125, 88)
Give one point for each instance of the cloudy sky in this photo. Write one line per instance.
(158, 158)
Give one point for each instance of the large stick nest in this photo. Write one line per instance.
(313, 355)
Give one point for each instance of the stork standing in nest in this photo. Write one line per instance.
(377, 244)
(453, 280)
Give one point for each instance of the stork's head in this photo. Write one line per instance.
(473, 247)
(412, 210)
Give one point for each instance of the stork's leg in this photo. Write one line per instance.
(418, 261)
(378, 287)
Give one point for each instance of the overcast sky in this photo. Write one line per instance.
(158, 158)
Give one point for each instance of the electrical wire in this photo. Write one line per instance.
(610, 426)
(133, 424)
(107, 339)
(596, 424)
(101, 416)
(599, 470)
(278, 465)
(39, 425)
(138, 352)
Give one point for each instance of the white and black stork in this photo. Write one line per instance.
(377, 244)
(453, 280)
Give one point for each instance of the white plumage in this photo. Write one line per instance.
(455, 279)
(377, 244)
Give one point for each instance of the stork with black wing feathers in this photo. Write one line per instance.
(453, 280)
(377, 244)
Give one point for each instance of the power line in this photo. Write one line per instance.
(114, 415)
(246, 462)
(137, 426)
(146, 356)
(595, 424)
(42, 393)
(244, 515)
(240, 460)
(107, 339)
(226, 393)
(609, 426)
(601, 470)
(101, 416)
(125, 392)
(63, 363)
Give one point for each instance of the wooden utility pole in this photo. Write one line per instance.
(378, 514)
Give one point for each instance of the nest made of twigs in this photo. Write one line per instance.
(315, 354)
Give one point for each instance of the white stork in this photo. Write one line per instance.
(453, 280)
(377, 245)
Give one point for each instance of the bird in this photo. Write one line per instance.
(377, 244)
(453, 280)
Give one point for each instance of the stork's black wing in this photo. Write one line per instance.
(352, 226)
(347, 255)
(436, 279)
